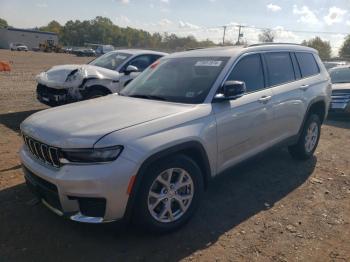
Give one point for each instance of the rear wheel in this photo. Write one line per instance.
(308, 139)
(170, 194)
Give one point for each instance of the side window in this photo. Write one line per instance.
(296, 66)
(307, 63)
(280, 68)
(141, 62)
(155, 58)
(249, 70)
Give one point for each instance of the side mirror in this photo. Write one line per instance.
(231, 90)
(131, 69)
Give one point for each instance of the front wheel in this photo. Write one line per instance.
(308, 139)
(170, 194)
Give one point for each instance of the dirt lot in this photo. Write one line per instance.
(271, 209)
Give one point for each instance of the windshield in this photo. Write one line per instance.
(182, 80)
(340, 75)
(110, 60)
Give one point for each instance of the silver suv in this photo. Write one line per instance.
(148, 152)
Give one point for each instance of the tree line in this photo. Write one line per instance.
(101, 30)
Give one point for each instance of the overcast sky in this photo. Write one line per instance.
(201, 18)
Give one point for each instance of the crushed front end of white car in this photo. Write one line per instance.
(70, 83)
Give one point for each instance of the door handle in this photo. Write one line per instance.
(304, 87)
(265, 99)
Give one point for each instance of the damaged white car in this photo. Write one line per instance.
(105, 75)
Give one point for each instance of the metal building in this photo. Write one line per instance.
(31, 38)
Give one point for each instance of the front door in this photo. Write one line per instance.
(244, 124)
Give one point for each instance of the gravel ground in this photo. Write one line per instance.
(272, 208)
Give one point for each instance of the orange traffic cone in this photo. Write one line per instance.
(4, 67)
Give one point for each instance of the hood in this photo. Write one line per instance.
(82, 124)
(341, 86)
(56, 76)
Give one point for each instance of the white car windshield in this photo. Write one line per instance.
(110, 60)
(340, 75)
(182, 80)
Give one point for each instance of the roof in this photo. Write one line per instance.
(30, 31)
(230, 51)
(140, 52)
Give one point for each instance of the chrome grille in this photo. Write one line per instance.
(341, 96)
(45, 153)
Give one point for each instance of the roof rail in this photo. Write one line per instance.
(262, 44)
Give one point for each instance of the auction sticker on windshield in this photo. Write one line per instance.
(209, 63)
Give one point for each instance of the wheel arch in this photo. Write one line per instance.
(192, 149)
(98, 87)
(317, 106)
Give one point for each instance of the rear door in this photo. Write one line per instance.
(284, 77)
(243, 125)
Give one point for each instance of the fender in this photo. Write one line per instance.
(312, 102)
(167, 152)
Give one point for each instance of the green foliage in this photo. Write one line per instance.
(3, 23)
(53, 26)
(345, 49)
(323, 47)
(101, 30)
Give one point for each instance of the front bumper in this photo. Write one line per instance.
(84, 193)
(52, 96)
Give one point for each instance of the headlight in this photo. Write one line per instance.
(74, 75)
(96, 155)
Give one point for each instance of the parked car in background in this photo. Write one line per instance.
(88, 52)
(105, 75)
(67, 49)
(103, 49)
(18, 47)
(340, 90)
(150, 151)
(331, 64)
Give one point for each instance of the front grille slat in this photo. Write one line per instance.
(341, 96)
(43, 152)
(54, 156)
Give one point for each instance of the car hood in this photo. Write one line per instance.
(341, 86)
(56, 76)
(82, 124)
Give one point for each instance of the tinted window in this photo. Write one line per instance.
(296, 66)
(280, 68)
(155, 58)
(142, 62)
(307, 63)
(249, 70)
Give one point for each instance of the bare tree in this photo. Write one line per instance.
(267, 36)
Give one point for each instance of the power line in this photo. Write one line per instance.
(239, 26)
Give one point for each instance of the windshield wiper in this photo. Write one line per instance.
(152, 97)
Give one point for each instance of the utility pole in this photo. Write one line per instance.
(223, 38)
(239, 34)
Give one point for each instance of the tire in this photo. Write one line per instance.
(95, 94)
(308, 140)
(146, 208)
